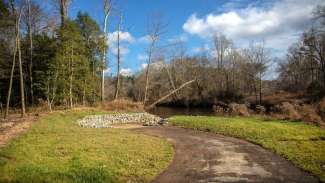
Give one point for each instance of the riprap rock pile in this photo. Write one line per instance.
(106, 121)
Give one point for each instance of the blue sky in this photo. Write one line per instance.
(277, 22)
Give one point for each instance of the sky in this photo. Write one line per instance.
(279, 23)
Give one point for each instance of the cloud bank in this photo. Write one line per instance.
(279, 25)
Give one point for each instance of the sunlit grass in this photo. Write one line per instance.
(56, 149)
(300, 143)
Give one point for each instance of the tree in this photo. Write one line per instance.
(17, 17)
(257, 57)
(155, 29)
(70, 62)
(107, 12)
(117, 87)
(64, 5)
(221, 45)
(91, 36)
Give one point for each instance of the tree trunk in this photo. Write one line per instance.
(71, 79)
(260, 88)
(147, 85)
(255, 91)
(118, 62)
(11, 78)
(147, 73)
(63, 10)
(48, 97)
(107, 13)
(84, 94)
(171, 93)
(30, 33)
(22, 89)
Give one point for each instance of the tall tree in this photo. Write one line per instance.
(117, 87)
(156, 28)
(30, 35)
(64, 5)
(107, 12)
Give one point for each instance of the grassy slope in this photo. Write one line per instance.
(56, 149)
(302, 144)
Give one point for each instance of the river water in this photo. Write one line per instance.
(166, 112)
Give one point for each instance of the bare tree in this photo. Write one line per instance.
(64, 5)
(118, 58)
(155, 29)
(17, 14)
(221, 45)
(30, 35)
(257, 59)
(107, 12)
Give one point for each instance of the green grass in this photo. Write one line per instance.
(56, 149)
(300, 143)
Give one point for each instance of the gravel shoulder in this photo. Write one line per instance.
(206, 157)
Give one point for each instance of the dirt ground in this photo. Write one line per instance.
(205, 157)
(15, 125)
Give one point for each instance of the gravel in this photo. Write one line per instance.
(108, 120)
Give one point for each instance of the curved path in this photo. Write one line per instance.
(205, 157)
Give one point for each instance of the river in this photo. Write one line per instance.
(166, 112)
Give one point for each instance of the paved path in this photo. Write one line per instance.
(205, 157)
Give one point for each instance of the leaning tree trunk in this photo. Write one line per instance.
(147, 73)
(169, 94)
(11, 78)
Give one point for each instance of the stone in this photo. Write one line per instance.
(239, 109)
(321, 108)
(309, 114)
(107, 121)
(289, 112)
(260, 109)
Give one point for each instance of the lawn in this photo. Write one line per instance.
(300, 143)
(56, 149)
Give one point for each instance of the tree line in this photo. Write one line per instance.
(59, 61)
(227, 74)
(46, 60)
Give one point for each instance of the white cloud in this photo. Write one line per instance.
(154, 66)
(279, 25)
(126, 72)
(124, 36)
(144, 39)
(107, 71)
(181, 38)
(142, 57)
(202, 49)
(123, 50)
(143, 66)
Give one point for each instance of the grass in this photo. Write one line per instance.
(56, 149)
(300, 143)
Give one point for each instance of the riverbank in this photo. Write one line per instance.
(302, 144)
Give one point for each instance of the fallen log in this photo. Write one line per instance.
(168, 95)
